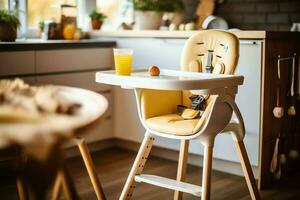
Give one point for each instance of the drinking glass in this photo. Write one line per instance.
(123, 61)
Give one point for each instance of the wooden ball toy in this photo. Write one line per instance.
(154, 71)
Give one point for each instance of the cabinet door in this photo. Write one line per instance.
(73, 59)
(16, 63)
(248, 101)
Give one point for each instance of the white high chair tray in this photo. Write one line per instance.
(169, 80)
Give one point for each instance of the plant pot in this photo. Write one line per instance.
(8, 32)
(96, 24)
(147, 20)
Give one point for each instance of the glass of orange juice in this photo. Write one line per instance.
(123, 61)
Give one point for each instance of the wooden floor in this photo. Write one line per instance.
(113, 166)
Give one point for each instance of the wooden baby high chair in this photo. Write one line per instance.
(210, 51)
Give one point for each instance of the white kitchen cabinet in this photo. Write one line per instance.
(166, 53)
(248, 100)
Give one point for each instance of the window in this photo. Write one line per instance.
(32, 12)
(3, 4)
(117, 11)
(47, 10)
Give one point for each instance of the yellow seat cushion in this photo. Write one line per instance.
(172, 124)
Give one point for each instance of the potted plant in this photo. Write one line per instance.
(148, 13)
(9, 23)
(97, 19)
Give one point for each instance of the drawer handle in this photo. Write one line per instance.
(248, 42)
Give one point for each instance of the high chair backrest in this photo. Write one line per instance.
(212, 51)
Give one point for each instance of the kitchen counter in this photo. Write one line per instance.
(38, 44)
(171, 34)
(243, 35)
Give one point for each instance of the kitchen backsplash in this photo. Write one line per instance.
(272, 15)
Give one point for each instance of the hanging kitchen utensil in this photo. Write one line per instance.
(292, 110)
(274, 161)
(279, 158)
(294, 152)
(281, 150)
(277, 174)
(278, 111)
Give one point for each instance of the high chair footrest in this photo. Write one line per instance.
(170, 184)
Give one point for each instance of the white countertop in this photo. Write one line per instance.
(171, 34)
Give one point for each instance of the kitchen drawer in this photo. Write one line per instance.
(83, 80)
(73, 59)
(16, 63)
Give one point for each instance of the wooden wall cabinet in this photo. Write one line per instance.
(284, 44)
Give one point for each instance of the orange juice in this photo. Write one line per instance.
(123, 64)
(123, 61)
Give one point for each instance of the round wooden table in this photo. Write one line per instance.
(40, 142)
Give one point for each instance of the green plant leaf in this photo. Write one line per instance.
(94, 15)
(9, 17)
(158, 5)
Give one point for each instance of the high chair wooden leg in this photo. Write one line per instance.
(137, 167)
(182, 165)
(242, 153)
(86, 156)
(206, 174)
